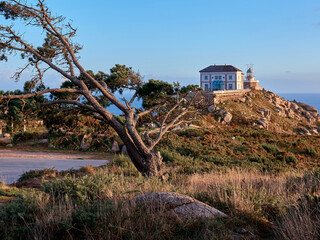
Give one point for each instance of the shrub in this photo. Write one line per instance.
(273, 149)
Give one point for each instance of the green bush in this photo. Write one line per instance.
(273, 149)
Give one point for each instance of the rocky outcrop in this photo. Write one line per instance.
(266, 113)
(263, 122)
(223, 116)
(301, 112)
(178, 205)
(115, 147)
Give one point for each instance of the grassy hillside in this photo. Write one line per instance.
(266, 178)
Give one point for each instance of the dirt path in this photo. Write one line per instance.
(46, 155)
(13, 163)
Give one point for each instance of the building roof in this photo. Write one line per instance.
(221, 68)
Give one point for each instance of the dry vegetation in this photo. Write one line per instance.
(268, 205)
(267, 182)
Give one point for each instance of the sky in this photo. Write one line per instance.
(172, 40)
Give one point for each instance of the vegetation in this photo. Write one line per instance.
(86, 90)
(96, 206)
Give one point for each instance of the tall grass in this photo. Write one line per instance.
(279, 206)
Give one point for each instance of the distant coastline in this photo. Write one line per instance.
(312, 99)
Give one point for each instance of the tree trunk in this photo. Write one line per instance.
(149, 164)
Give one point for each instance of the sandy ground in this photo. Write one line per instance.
(13, 162)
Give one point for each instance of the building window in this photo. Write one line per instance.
(230, 86)
(230, 77)
(206, 87)
(205, 77)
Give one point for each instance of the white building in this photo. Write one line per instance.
(221, 77)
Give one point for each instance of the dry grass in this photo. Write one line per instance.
(95, 206)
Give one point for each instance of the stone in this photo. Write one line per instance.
(227, 117)
(295, 107)
(124, 150)
(42, 141)
(305, 132)
(307, 107)
(6, 135)
(115, 147)
(241, 230)
(243, 99)
(263, 122)
(266, 113)
(314, 131)
(211, 108)
(85, 142)
(5, 140)
(176, 204)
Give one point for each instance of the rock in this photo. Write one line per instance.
(227, 117)
(124, 150)
(289, 112)
(305, 132)
(241, 230)
(5, 141)
(243, 99)
(295, 107)
(176, 204)
(266, 113)
(211, 108)
(85, 142)
(307, 107)
(42, 141)
(314, 131)
(6, 135)
(115, 147)
(263, 122)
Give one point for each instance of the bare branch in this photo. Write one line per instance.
(81, 105)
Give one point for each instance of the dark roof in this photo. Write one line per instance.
(221, 68)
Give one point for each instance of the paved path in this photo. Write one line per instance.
(13, 164)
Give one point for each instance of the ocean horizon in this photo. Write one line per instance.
(312, 99)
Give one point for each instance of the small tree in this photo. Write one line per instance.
(60, 53)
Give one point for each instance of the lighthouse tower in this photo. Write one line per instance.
(250, 81)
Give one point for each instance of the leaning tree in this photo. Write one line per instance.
(60, 53)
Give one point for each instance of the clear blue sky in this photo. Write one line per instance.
(173, 39)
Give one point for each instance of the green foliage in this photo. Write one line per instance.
(81, 190)
(273, 149)
(37, 173)
(154, 92)
(126, 165)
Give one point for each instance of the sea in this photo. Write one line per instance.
(312, 99)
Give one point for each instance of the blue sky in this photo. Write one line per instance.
(172, 40)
